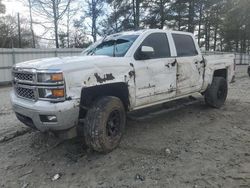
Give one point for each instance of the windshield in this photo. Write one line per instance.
(114, 46)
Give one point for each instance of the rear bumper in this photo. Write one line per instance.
(29, 112)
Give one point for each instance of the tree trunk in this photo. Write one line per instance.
(31, 26)
(162, 14)
(237, 45)
(19, 32)
(137, 13)
(179, 20)
(244, 43)
(221, 45)
(68, 22)
(215, 36)
(115, 17)
(216, 28)
(191, 16)
(200, 21)
(248, 46)
(133, 3)
(179, 15)
(55, 11)
(94, 18)
(207, 35)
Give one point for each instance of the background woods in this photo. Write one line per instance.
(219, 25)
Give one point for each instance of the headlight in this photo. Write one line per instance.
(51, 86)
(51, 93)
(50, 77)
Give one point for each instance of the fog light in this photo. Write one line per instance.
(48, 118)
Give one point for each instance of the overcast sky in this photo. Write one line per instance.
(14, 6)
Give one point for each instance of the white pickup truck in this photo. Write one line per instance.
(120, 73)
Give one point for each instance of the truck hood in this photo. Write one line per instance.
(85, 71)
(65, 63)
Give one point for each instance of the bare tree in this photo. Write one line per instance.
(9, 32)
(52, 10)
(136, 13)
(94, 11)
(31, 24)
(2, 7)
(70, 14)
(29, 4)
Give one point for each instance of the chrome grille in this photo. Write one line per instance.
(25, 92)
(26, 85)
(23, 76)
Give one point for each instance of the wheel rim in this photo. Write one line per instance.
(114, 124)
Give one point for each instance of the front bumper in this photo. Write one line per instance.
(29, 112)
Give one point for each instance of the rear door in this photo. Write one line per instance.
(190, 64)
(155, 75)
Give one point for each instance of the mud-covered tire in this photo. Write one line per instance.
(216, 94)
(105, 123)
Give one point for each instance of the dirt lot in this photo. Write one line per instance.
(176, 145)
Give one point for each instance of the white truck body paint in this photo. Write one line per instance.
(149, 82)
(217, 62)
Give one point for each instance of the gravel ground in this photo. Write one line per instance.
(181, 144)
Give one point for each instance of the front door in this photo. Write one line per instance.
(155, 70)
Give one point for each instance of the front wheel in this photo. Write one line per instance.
(216, 94)
(105, 123)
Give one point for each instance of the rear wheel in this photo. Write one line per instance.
(105, 123)
(216, 94)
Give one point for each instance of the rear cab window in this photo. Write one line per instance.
(185, 45)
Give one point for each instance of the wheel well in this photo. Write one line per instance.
(90, 94)
(221, 73)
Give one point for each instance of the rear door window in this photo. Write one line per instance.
(184, 45)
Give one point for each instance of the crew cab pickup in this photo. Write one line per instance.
(120, 73)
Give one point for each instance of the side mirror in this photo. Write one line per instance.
(147, 49)
(144, 53)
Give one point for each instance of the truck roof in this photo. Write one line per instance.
(139, 32)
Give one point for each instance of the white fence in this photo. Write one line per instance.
(9, 57)
(240, 59)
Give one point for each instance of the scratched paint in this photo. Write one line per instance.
(216, 62)
(106, 77)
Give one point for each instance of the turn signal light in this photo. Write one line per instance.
(58, 92)
(57, 77)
